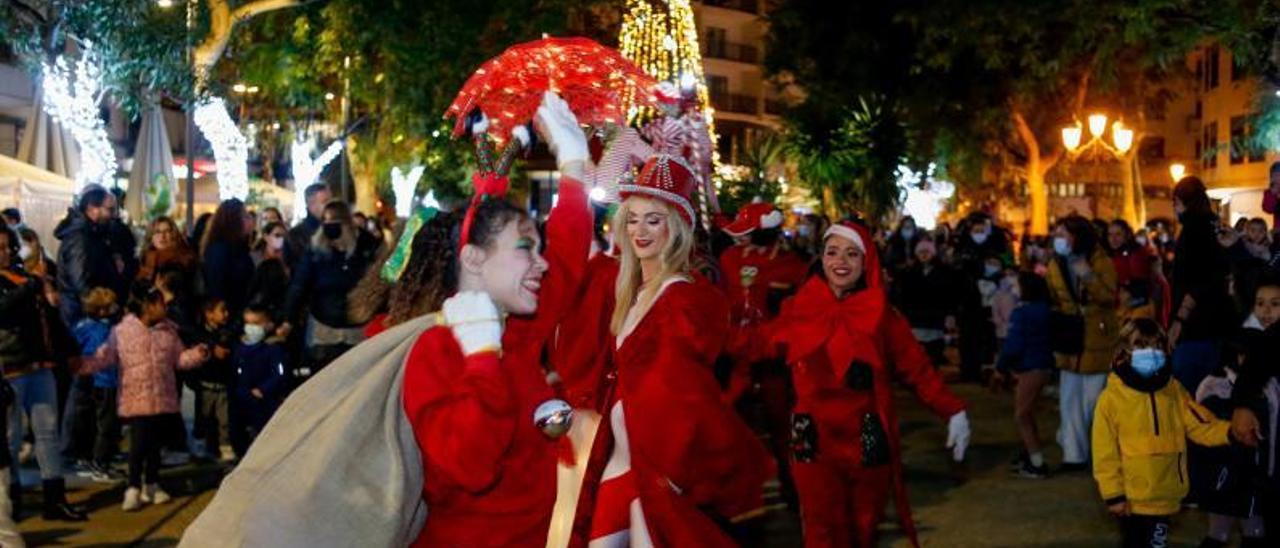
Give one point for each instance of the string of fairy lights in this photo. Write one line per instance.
(664, 42)
(72, 92)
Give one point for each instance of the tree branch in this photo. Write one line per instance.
(222, 20)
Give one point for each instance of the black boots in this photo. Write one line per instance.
(15, 496)
(56, 507)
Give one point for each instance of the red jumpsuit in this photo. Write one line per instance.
(844, 355)
(490, 474)
(689, 453)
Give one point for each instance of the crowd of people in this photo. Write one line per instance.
(115, 332)
(676, 338)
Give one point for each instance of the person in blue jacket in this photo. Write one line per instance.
(1028, 357)
(259, 383)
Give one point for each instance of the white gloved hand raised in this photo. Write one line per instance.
(559, 127)
(475, 322)
(958, 435)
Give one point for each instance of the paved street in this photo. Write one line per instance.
(976, 504)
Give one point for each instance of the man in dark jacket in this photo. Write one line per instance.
(89, 255)
(317, 196)
(927, 293)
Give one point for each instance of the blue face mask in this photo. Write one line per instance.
(1146, 361)
(1061, 246)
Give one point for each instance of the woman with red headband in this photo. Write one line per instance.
(474, 383)
(845, 345)
(680, 464)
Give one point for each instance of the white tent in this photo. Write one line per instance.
(152, 170)
(45, 145)
(42, 196)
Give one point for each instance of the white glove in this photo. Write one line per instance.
(958, 435)
(475, 322)
(559, 127)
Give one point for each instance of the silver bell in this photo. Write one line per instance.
(553, 417)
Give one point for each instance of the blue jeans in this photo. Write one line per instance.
(1193, 361)
(36, 397)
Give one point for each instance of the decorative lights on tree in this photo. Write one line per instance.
(663, 41)
(230, 148)
(307, 170)
(403, 185)
(71, 96)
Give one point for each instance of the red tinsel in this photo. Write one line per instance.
(593, 79)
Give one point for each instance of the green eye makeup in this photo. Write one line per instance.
(524, 243)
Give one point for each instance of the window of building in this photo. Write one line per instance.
(1257, 151)
(717, 85)
(1238, 140)
(1209, 157)
(716, 41)
(1213, 64)
(1199, 109)
(1152, 148)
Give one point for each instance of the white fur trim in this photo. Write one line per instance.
(772, 220)
(521, 133)
(846, 233)
(480, 126)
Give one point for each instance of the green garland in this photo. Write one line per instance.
(399, 259)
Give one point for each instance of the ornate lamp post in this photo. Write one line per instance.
(1119, 147)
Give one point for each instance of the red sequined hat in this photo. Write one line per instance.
(667, 178)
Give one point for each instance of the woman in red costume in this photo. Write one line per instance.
(845, 345)
(474, 381)
(681, 466)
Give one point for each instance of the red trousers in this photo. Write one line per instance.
(841, 504)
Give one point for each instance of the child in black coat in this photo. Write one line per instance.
(259, 378)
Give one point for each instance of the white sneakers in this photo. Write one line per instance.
(134, 498)
(153, 494)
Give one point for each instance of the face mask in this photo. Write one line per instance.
(276, 242)
(372, 227)
(253, 333)
(908, 233)
(1061, 246)
(1142, 240)
(804, 231)
(24, 252)
(1164, 237)
(333, 231)
(990, 269)
(979, 237)
(1146, 361)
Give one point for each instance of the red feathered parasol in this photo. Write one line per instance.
(593, 79)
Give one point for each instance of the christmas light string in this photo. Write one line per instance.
(307, 170)
(72, 93)
(403, 185)
(230, 148)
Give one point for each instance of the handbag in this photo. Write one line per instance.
(1066, 330)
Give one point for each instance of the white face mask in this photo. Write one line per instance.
(979, 237)
(275, 242)
(253, 333)
(24, 252)
(1061, 246)
(1142, 240)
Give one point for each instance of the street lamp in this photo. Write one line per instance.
(1177, 170)
(1119, 146)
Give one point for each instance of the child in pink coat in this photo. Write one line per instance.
(147, 347)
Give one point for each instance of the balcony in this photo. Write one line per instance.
(736, 103)
(744, 53)
(749, 6)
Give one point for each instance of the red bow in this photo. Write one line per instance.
(488, 185)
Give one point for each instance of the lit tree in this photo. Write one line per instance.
(72, 92)
(663, 40)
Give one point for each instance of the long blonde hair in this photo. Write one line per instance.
(630, 290)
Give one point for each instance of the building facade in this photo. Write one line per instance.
(731, 34)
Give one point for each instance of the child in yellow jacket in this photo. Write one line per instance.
(1140, 430)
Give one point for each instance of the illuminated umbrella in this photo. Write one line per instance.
(592, 78)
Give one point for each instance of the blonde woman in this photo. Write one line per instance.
(680, 463)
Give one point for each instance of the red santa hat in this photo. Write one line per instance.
(667, 178)
(757, 215)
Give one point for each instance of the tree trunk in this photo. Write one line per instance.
(363, 175)
(223, 20)
(1037, 167)
(1129, 182)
